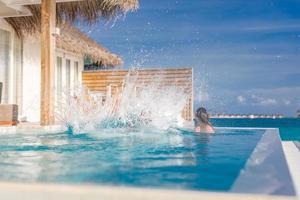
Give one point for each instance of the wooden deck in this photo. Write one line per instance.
(99, 81)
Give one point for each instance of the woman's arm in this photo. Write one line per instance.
(197, 129)
(210, 129)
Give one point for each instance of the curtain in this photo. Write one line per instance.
(4, 63)
(75, 73)
(68, 78)
(18, 73)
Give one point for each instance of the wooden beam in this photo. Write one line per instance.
(48, 20)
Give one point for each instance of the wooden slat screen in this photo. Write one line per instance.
(98, 81)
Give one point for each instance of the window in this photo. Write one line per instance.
(4, 63)
(68, 78)
(76, 71)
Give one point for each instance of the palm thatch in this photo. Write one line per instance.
(89, 11)
(73, 40)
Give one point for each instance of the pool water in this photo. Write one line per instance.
(141, 158)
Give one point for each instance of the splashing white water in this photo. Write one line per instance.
(203, 92)
(135, 105)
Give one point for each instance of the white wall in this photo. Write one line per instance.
(31, 75)
(31, 78)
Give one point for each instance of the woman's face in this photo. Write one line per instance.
(204, 117)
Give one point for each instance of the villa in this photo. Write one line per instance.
(20, 53)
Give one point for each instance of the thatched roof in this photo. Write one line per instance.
(73, 40)
(89, 11)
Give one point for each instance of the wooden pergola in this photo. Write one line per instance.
(45, 18)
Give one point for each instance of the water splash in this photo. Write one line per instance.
(135, 105)
(203, 92)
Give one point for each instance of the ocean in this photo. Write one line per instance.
(289, 127)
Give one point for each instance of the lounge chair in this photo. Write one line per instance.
(8, 112)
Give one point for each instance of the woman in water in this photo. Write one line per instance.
(202, 124)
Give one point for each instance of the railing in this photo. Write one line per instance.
(110, 82)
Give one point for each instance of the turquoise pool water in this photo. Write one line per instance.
(142, 158)
(289, 127)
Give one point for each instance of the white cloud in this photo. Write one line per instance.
(285, 96)
(255, 97)
(286, 102)
(268, 102)
(263, 101)
(241, 99)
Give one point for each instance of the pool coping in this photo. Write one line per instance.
(297, 143)
(292, 155)
(36, 127)
(24, 191)
(266, 170)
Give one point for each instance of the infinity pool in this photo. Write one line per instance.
(140, 158)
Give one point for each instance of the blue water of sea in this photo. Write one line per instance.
(289, 127)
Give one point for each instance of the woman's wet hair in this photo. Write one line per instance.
(202, 115)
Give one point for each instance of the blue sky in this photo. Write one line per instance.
(245, 54)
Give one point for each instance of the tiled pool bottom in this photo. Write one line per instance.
(148, 158)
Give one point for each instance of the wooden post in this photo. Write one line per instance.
(48, 23)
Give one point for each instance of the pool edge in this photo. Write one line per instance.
(266, 170)
(292, 155)
(24, 191)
